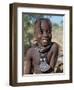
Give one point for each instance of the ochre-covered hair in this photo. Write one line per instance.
(38, 21)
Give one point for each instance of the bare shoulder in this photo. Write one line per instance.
(55, 46)
(30, 51)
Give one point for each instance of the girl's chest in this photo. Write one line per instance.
(36, 57)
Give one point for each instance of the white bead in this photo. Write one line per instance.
(44, 59)
(40, 59)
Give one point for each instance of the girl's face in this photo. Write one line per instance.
(43, 33)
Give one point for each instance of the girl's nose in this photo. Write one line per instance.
(45, 34)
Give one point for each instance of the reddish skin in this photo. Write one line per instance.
(32, 57)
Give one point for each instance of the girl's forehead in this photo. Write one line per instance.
(44, 25)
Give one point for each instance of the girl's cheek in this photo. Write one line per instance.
(39, 36)
(50, 35)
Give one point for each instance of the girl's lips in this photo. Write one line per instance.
(44, 40)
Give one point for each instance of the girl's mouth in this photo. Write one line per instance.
(44, 40)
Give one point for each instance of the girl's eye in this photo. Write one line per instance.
(41, 31)
(48, 31)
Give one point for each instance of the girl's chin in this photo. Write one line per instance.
(44, 44)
